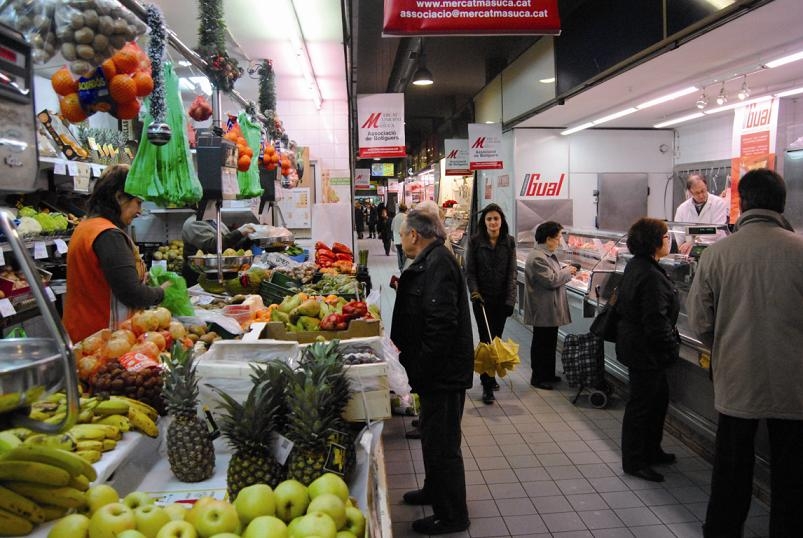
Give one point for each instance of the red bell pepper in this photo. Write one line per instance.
(321, 245)
(344, 257)
(355, 309)
(325, 253)
(341, 248)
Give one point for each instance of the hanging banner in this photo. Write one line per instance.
(456, 157)
(485, 146)
(362, 178)
(471, 17)
(753, 144)
(381, 120)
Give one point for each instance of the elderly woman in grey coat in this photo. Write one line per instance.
(545, 304)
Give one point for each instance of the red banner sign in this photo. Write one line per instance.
(471, 17)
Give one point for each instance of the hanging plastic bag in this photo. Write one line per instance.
(34, 20)
(249, 180)
(165, 174)
(176, 299)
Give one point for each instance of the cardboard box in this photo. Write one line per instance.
(358, 328)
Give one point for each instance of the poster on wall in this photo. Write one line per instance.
(489, 188)
(335, 186)
(456, 157)
(362, 178)
(295, 208)
(470, 17)
(485, 146)
(753, 144)
(380, 118)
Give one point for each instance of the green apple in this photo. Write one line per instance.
(345, 534)
(131, 533)
(177, 511)
(331, 504)
(71, 526)
(263, 526)
(150, 518)
(110, 520)
(135, 499)
(291, 527)
(316, 524)
(216, 517)
(355, 521)
(291, 499)
(195, 509)
(329, 483)
(100, 495)
(177, 529)
(254, 501)
(226, 535)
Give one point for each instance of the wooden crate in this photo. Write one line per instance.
(358, 328)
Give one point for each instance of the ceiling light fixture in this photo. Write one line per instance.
(679, 120)
(744, 91)
(300, 50)
(614, 116)
(702, 101)
(788, 93)
(578, 128)
(667, 97)
(722, 98)
(785, 60)
(422, 76)
(549, 80)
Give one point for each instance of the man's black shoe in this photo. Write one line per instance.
(647, 474)
(431, 525)
(542, 385)
(416, 497)
(415, 433)
(495, 385)
(488, 395)
(554, 379)
(663, 458)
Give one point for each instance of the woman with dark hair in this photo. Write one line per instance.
(491, 279)
(546, 306)
(647, 343)
(105, 274)
(383, 229)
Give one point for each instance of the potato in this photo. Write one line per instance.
(68, 51)
(85, 52)
(120, 26)
(91, 18)
(76, 21)
(100, 43)
(117, 41)
(105, 25)
(84, 35)
(65, 33)
(80, 67)
(41, 23)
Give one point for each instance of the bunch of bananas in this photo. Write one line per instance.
(38, 483)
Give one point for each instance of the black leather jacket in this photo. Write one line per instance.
(648, 307)
(431, 324)
(492, 271)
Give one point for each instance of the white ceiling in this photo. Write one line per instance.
(738, 47)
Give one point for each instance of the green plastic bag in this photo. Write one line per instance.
(165, 174)
(176, 298)
(249, 181)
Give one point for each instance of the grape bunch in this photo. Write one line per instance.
(144, 385)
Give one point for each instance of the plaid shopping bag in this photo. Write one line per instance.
(583, 359)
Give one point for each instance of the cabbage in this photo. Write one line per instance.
(48, 226)
(59, 221)
(29, 226)
(27, 211)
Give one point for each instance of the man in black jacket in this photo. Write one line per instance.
(432, 329)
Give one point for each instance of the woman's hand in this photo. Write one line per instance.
(166, 284)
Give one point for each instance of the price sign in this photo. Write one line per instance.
(2, 257)
(72, 168)
(39, 250)
(61, 246)
(205, 299)
(159, 263)
(97, 170)
(6, 308)
(282, 446)
(50, 294)
(60, 168)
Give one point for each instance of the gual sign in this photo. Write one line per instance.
(536, 186)
(471, 17)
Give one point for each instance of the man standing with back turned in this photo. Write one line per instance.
(745, 303)
(432, 329)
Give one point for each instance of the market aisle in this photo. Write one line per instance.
(536, 465)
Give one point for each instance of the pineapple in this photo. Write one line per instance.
(317, 394)
(189, 445)
(247, 426)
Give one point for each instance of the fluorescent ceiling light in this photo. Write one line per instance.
(788, 93)
(785, 60)
(667, 97)
(679, 120)
(719, 4)
(614, 116)
(547, 80)
(578, 128)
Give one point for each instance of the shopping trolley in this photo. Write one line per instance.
(583, 360)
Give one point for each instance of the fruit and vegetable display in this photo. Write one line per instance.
(49, 222)
(339, 256)
(173, 252)
(324, 508)
(304, 312)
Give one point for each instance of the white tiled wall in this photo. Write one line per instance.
(325, 131)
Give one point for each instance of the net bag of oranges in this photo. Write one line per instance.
(165, 174)
(248, 137)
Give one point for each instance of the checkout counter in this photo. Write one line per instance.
(601, 257)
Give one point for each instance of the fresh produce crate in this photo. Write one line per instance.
(358, 328)
(370, 392)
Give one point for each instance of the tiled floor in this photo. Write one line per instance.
(536, 465)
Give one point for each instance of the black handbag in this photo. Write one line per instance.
(605, 323)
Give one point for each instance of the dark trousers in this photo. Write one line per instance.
(386, 243)
(445, 480)
(643, 423)
(401, 256)
(495, 311)
(732, 479)
(542, 354)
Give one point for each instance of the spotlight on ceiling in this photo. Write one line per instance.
(422, 76)
(722, 98)
(702, 101)
(744, 91)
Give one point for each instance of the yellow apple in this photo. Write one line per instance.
(71, 526)
(254, 501)
(330, 504)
